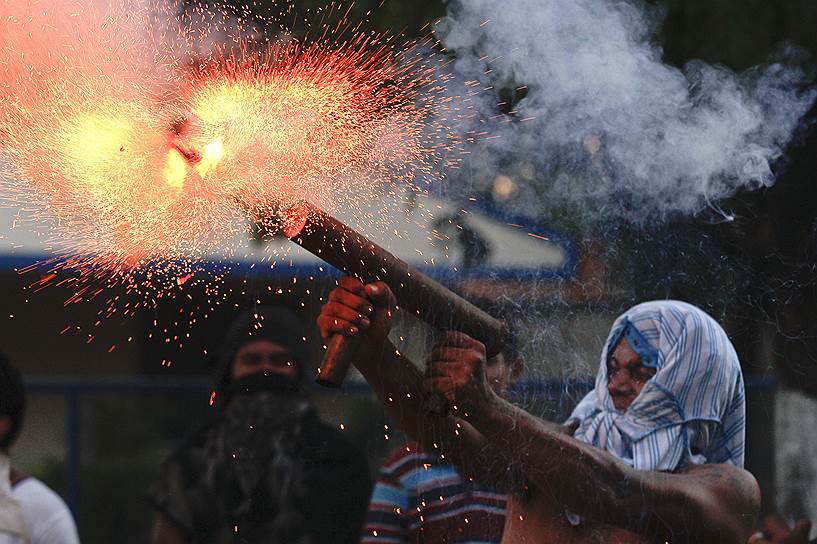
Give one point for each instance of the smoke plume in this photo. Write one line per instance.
(602, 122)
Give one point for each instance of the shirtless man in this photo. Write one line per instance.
(652, 454)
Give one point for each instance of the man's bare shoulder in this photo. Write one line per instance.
(724, 480)
(727, 489)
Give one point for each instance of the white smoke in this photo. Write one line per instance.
(604, 119)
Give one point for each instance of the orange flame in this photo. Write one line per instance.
(88, 127)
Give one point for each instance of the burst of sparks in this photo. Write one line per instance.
(140, 152)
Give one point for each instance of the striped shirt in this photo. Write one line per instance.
(420, 498)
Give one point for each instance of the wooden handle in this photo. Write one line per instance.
(337, 360)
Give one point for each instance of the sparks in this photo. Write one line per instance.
(135, 162)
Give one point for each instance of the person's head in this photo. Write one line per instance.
(502, 371)
(669, 390)
(505, 368)
(265, 340)
(264, 356)
(12, 404)
(659, 342)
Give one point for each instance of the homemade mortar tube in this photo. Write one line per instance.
(355, 255)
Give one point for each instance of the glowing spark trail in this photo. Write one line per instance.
(140, 152)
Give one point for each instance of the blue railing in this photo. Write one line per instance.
(74, 389)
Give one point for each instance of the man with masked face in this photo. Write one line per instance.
(268, 470)
(653, 454)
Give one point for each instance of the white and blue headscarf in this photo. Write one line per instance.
(692, 410)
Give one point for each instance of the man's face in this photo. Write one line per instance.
(626, 375)
(263, 356)
(501, 373)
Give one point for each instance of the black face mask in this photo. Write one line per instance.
(247, 466)
(263, 382)
(260, 382)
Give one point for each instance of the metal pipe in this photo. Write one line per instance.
(355, 255)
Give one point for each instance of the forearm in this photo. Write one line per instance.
(398, 385)
(603, 489)
(585, 479)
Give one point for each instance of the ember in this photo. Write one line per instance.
(142, 160)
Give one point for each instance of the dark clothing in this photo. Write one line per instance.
(267, 471)
(272, 323)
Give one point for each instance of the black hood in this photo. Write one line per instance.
(273, 323)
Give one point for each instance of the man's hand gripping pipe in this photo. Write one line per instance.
(355, 255)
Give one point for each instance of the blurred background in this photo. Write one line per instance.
(109, 399)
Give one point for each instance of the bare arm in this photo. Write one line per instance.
(710, 503)
(398, 385)
(355, 309)
(714, 506)
(715, 503)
